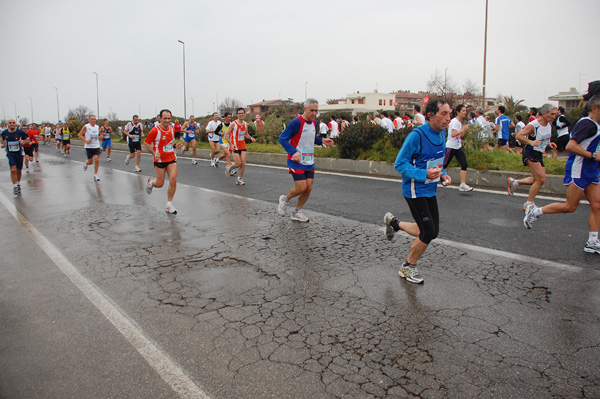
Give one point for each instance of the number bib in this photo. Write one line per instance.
(66, 136)
(14, 146)
(168, 148)
(307, 156)
(544, 140)
(135, 138)
(241, 135)
(93, 138)
(434, 163)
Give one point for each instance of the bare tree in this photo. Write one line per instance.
(442, 86)
(112, 116)
(23, 120)
(81, 113)
(230, 105)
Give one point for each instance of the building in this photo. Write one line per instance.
(265, 106)
(568, 99)
(406, 100)
(358, 103)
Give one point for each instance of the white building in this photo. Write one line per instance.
(358, 103)
(568, 99)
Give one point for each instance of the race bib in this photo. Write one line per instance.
(14, 146)
(135, 138)
(434, 163)
(93, 138)
(544, 140)
(65, 136)
(168, 148)
(241, 135)
(307, 156)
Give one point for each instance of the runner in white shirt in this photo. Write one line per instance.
(334, 131)
(419, 118)
(91, 136)
(454, 146)
(386, 123)
(213, 139)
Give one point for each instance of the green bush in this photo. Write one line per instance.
(359, 137)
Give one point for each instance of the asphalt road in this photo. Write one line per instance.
(104, 295)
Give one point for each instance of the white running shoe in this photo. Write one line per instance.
(464, 187)
(194, 162)
(171, 209)
(108, 159)
(85, 165)
(227, 171)
(233, 172)
(182, 150)
(96, 178)
(592, 247)
(528, 203)
(149, 185)
(529, 216)
(136, 169)
(239, 182)
(410, 273)
(283, 204)
(512, 186)
(127, 161)
(389, 230)
(299, 217)
(216, 162)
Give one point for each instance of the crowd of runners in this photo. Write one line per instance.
(422, 160)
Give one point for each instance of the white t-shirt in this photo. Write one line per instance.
(485, 125)
(323, 128)
(387, 124)
(212, 125)
(333, 125)
(399, 123)
(92, 134)
(453, 142)
(419, 119)
(518, 127)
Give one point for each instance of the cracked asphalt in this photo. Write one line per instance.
(252, 305)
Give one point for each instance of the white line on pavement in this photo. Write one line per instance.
(166, 368)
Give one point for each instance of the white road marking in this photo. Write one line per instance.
(166, 368)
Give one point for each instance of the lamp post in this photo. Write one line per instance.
(3, 116)
(484, 54)
(139, 111)
(97, 96)
(445, 80)
(57, 106)
(305, 91)
(193, 108)
(184, 95)
(31, 99)
(16, 115)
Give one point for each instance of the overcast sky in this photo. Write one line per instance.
(269, 49)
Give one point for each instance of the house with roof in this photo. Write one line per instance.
(568, 99)
(358, 103)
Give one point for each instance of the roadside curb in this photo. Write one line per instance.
(490, 179)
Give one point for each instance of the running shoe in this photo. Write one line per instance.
(149, 185)
(85, 165)
(194, 162)
(182, 150)
(212, 163)
(108, 159)
(19, 187)
(136, 169)
(388, 218)
(233, 172)
(239, 182)
(298, 216)
(512, 186)
(96, 178)
(127, 161)
(65, 155)
(410, 273)
(282, 205)
(216, 162)
(464, 187)
(592, 247)
(227, 171)
(15, 191)
(171, 209)
(527, 203)
(37, 160)
(529, 216)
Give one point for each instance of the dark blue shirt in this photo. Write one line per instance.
(12, 140)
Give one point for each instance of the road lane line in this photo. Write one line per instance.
(166, 368)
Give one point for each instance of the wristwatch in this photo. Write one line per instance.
(593, 155)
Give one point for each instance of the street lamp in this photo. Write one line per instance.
(97, 96)
(31, 99)
(193, 108)
(3, 116)
(305, 91)
(184, 95)
(57, 107)
(484, 53)
(445, 80)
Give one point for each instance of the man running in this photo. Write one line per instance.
(238, 133)
(214, 139)
(536, 137)
(298, 140)
(501, 128)
(160, 142)
(134, 132)
(13, 140)
(221, 130)
(58, 137)
(581, 175)
(47, 134)
(31, 147)
(105, 133)
(65, 132)
(90, 134)
(190, 129)
(420, 162)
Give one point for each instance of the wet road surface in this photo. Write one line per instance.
(238, 302)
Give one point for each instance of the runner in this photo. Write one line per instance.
(134, 132)
(454, 147)
(34, 135)
(65, 133)
(47, 134)
(13, 140)
(221, 130)
(58, 137)
(177, 129)
(536, 137)
(90, 134)
(106, 132)
(420, 162)
(214, 139)
(581, 175)
(237, 134)
(298, 140)
(160, 142)
(190, 129)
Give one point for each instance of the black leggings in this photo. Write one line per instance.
(425, 212)
(460, 157)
